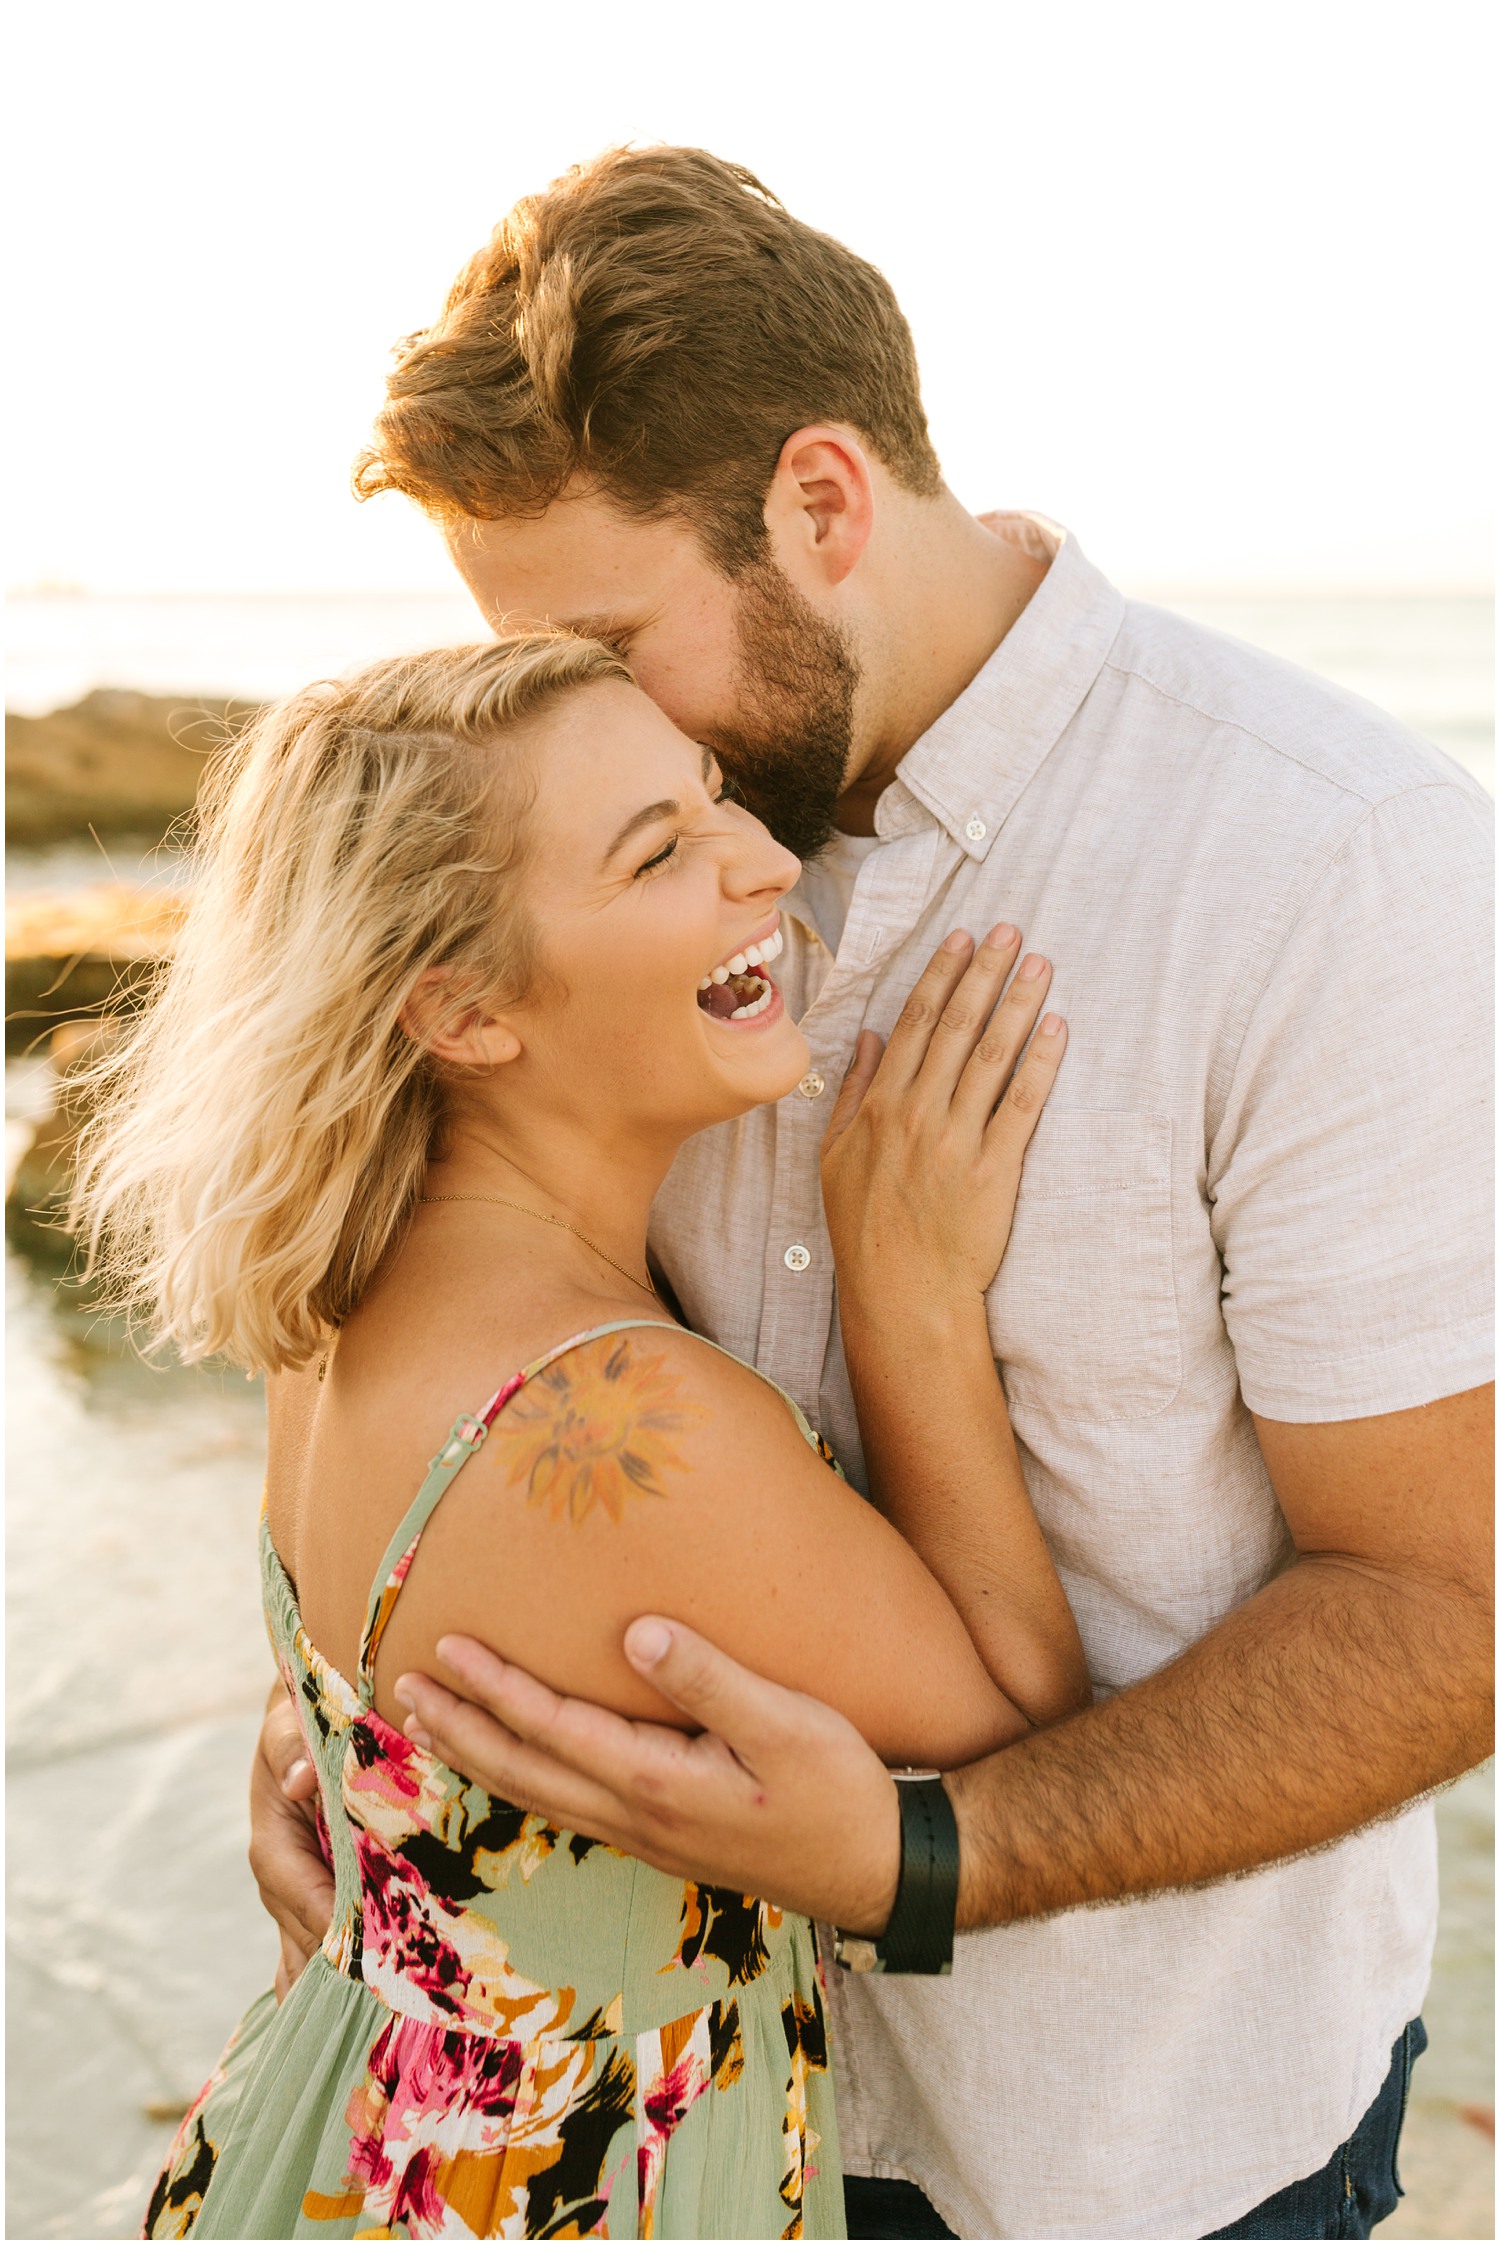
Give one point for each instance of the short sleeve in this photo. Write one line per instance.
(1350, 1178)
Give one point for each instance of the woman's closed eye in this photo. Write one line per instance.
(662, 857)
(728, 792)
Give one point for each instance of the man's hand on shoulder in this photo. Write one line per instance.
(777, 1796)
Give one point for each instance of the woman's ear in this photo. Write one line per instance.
(464, 1034)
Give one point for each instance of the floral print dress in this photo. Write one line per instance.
(509, 2030)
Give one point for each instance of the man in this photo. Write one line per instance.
(1244, 1319)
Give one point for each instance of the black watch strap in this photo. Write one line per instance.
(919, 1936)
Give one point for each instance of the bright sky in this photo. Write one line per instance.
(1207, 282)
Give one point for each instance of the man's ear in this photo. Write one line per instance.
(466, 1035)
(820, 509)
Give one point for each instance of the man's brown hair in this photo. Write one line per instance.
(658, 324)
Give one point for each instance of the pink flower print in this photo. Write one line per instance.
(400, 1930)
(674, 2067)
(428, 2095)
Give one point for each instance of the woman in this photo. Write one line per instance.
(480, 938)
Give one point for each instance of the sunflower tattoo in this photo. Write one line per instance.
(601, 1438)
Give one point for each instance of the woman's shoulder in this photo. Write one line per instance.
(632, 1404)
(626, 1467)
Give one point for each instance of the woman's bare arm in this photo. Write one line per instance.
(921, 1167)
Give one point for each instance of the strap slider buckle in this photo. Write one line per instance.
(464, 1438)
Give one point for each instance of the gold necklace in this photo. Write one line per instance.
(429, 1200)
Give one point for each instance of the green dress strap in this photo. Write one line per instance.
(465, 1436)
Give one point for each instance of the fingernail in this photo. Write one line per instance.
(402, 1694)
(450, 1653)
(1001, 938)
(1031, 966)
(415, 1732)
(646, 1642)
(1052, 1024)
(296, 1771)
(958, 941)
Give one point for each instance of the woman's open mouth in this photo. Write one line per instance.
(736, 989)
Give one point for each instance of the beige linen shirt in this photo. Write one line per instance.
(1261, 1185)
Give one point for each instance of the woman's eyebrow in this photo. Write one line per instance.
(668, 807)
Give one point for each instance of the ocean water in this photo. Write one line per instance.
(136, 1658)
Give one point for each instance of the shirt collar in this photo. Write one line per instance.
(970, 767)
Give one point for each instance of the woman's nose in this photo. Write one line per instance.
(763, 867)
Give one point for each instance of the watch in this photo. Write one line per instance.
(919, 1934)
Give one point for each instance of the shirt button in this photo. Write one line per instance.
(976, 828)
(811, 1086)
(796, 1257)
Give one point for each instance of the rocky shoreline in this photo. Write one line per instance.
(74, 962)
(81, 953)
(114, 763)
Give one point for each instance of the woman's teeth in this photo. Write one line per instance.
(750, 983)
(753, 955)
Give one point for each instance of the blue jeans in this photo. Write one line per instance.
(1357, 2188)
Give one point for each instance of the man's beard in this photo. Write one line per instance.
(796, 684)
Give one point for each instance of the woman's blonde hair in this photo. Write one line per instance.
(260, 1132)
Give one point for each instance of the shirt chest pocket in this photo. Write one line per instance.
(1083, 1315)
